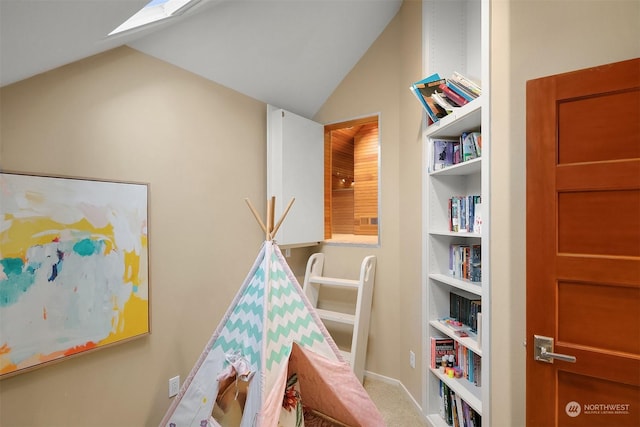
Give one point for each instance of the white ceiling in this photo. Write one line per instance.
(288, 53)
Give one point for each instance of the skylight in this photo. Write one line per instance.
(154, 11)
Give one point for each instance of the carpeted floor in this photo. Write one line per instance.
(394, 404)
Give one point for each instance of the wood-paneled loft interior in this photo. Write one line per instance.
(351, 180)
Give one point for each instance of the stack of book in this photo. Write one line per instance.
(469, 363)
(465, 310)
(440, 97)
(465, 262)
(455, 411)
(449, 152)
(464, 213)
(446, 353)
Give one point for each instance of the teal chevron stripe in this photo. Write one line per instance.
(273, 335)
(259, 274)
(278, 274)
(275, 260)
(231, 342)
(243, 327)
(276, 355)
(286, 310)
(308, 340)
(232, 346)
(227, 342)
(244, 308)
(279, 289)
(254, 288)
(251, 299)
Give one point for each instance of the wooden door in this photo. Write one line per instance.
(583, 246)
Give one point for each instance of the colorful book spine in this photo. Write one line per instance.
(468, 147)
(460, 91)
(477, 141)
(468, 84)
(465, 310)
(476, 264)
(462, 213)
(453, 96)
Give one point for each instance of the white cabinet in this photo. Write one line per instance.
(456, 38)
(295, 168)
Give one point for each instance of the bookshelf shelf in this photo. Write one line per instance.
(462, 234)
(464, 118)
(465, 285)
(471, 342)
(464, 168)
(446, 192)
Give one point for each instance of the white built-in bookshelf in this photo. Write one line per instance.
(455, 38)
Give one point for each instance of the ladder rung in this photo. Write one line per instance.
(330, 281)
(336, 316)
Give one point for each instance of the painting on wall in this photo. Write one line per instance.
(74, 273)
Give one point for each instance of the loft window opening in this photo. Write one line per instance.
(351, 181)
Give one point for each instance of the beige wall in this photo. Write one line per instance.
(532, 39)
(123, 115)
(379, 84)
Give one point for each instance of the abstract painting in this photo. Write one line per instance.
(73, 267)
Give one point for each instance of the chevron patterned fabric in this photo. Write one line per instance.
(289, 319)
(243, 330)
(268, 315)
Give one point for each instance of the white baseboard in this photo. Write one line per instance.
(394, 381)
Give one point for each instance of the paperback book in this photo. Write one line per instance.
(442, 154)
(423, 89)
(455, 411)
(465, 310)
(446, 152)
(442, 347)
(440, 96)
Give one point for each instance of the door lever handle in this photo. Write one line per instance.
(544, 354)
(543, 351)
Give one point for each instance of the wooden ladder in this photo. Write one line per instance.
(359, 321)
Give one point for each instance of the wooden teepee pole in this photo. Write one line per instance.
(271, 208)
(269, 229)
(257, 216)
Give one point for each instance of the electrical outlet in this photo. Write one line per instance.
(174, 386)
(412, 359)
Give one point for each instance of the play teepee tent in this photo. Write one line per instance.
(271, 349)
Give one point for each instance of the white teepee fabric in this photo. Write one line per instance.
(269, 331)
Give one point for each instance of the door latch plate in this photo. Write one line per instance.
(540, 342)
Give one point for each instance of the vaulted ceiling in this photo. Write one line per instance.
(288, 53)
